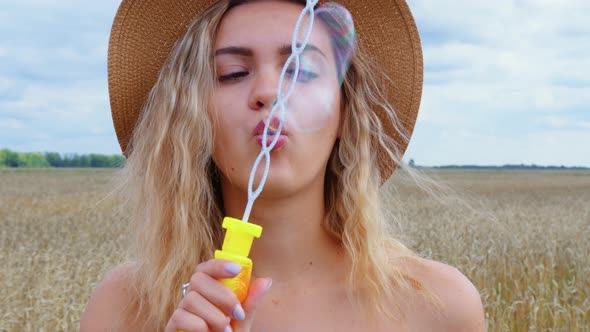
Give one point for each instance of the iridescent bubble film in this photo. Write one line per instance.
(323, 64)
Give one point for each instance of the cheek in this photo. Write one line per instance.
(225, 153)
(314, 108)
(225, 113)
(228, 122)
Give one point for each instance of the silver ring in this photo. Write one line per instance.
(184, 288)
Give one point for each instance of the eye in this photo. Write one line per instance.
(304, 75)
(232, 76)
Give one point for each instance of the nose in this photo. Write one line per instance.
(264, 91)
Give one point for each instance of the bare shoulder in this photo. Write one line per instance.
(108, 301)
(460, 302)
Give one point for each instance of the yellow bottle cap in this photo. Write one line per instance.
(239, 236)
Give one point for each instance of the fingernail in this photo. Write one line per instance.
(233, 268)
(238, 312)
(269, 284)
(228, 329)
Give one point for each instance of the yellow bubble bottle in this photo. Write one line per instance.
(236, 248)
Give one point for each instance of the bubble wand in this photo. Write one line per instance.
(240, 233)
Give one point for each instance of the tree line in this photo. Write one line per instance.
(10, 158)
(412, 163)
(514, 166)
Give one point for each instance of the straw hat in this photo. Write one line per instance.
(144, 32)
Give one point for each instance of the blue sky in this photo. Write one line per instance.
(505, 81)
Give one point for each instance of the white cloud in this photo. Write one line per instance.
(76, 107)
(6, 83)
(562, 122)
(11, 124)
(502, 67)
(53, 86)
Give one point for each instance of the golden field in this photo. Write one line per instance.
(522, 237)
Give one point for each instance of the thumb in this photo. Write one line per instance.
(256, 293)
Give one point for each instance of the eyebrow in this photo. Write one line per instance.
(283, 50)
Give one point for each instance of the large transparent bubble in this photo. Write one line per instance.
(316, 81)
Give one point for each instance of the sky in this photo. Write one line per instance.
(505, 82)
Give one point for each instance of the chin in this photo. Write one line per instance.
(279, 184)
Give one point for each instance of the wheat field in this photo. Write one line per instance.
(520, 236)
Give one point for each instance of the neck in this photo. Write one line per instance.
(293, 241)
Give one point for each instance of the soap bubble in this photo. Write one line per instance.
(317, 80)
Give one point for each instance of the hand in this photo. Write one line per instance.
(257, 290)
(211, 306)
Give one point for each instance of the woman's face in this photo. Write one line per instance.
(252, 45)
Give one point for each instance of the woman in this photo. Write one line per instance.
(325, 249)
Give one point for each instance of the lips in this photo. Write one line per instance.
(259, 131)
(269, 139)
(274, 123)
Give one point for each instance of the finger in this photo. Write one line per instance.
(218, 294)
(258, 289)
(219, 268)
(256, 292)
(197, 305)
(185, 321)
